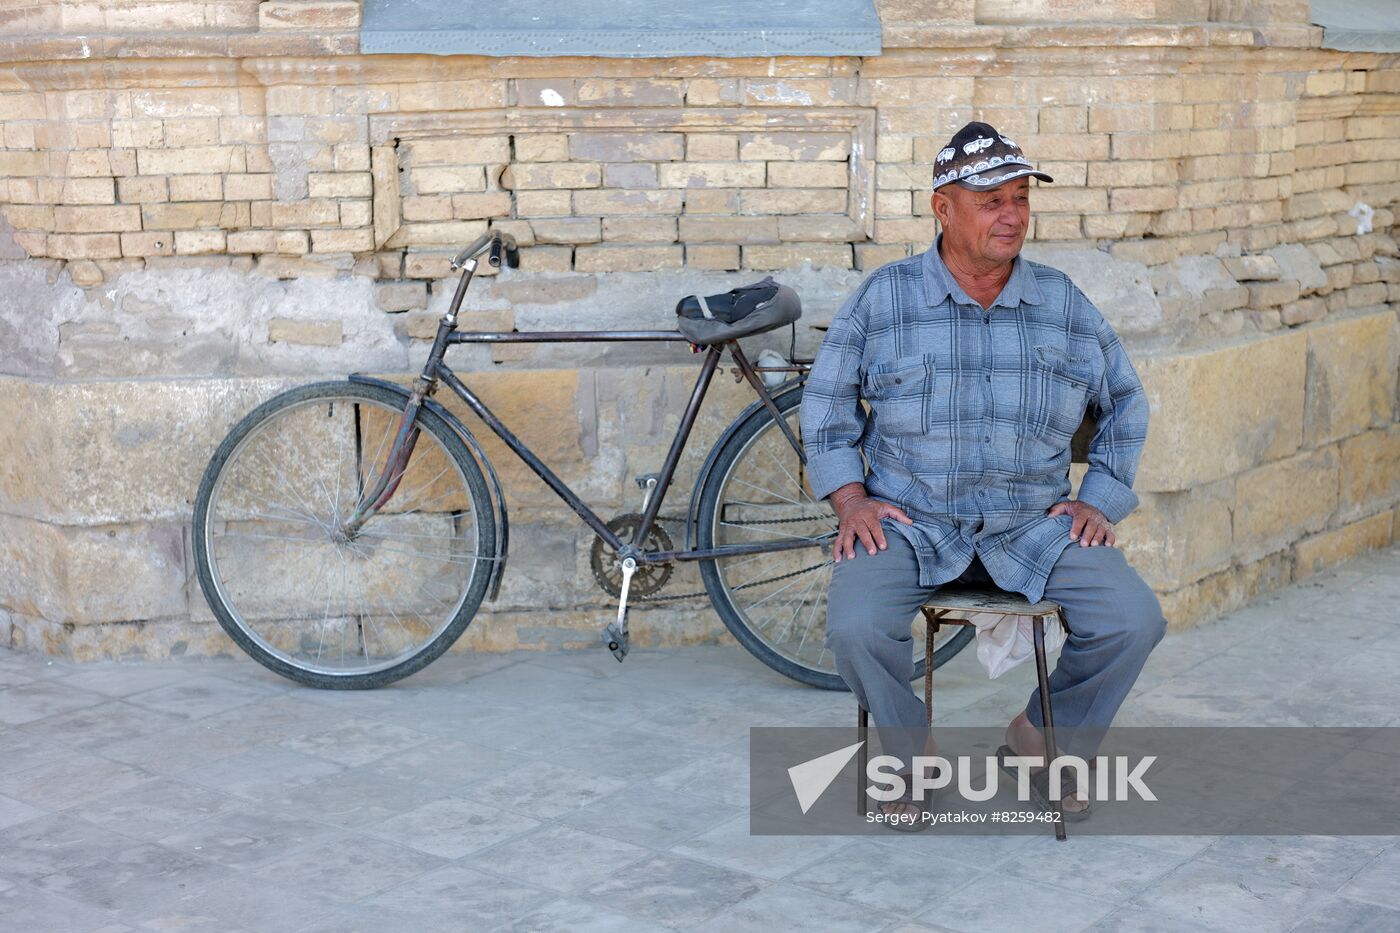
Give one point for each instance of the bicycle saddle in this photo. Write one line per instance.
(739, 312)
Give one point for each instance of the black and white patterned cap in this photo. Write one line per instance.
(983, 158)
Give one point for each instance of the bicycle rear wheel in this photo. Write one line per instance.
(774, 602)
(297, 592)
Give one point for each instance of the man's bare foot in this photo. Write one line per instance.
(903, 809)
(1025, 739)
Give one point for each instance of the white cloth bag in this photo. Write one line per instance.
(1004, 641)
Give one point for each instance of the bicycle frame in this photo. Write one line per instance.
(436, 371)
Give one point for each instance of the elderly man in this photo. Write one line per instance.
(978, 366)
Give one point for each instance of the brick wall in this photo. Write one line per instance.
(227, 190)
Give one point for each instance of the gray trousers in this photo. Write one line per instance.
(1114, 619)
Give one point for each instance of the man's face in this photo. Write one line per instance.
(988, 225)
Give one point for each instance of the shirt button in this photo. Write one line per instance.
(987, 438)
(989, 378)
(898, 381)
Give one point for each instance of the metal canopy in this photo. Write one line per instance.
(1358, 25)
(621, 28)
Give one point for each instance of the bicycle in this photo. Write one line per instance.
(345, 533)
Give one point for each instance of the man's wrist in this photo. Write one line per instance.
(847, 493)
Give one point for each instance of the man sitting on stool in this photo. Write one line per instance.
(978, 366)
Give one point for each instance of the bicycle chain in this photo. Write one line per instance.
(743, 586)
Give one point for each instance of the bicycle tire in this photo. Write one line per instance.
(737, 443)
(229, 619)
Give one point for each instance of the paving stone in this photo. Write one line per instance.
(1378, 883)
(452, 827)
(559, 858)
(340, 870)
(649, 816)
(881, 877)
(476, 900)
(674, 891)
(786, 907)
(998, 902)
(1232, 899)
(41, 699)
(154, 809)
(69, 781)
(731, 845)
(261, 773)
(95, 726)
(245, 838)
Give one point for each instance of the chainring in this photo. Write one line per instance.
(647, 579)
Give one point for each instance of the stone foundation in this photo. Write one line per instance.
(197, 217)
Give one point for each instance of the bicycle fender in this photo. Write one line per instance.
(692, 510)
(498, 565)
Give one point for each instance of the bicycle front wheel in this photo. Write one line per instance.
(774, 602)
(298, 590)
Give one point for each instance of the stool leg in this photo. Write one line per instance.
(930, 630)
(1038, 628)
(862, 733)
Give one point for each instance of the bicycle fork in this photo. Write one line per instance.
(395, 467)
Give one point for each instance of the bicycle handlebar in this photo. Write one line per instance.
(496, 242)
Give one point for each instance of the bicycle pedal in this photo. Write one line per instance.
(616, 640)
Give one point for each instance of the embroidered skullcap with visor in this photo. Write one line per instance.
(981, 158)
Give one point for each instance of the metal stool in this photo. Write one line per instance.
(964, 598)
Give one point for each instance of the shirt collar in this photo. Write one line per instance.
(940, 284)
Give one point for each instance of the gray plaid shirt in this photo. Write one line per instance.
(972, 412)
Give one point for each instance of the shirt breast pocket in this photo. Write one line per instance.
(1063, 385)
(900, 395)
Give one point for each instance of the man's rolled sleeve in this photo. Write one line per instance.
(1120, 406)
(833, 421)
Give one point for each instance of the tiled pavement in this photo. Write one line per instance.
(563, 791)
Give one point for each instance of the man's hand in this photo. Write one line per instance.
(1090, 528)
(860, 516)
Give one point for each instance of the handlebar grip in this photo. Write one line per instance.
(513, 257)
(494, 257)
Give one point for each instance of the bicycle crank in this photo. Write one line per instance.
(615, 635)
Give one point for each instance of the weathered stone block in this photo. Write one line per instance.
(819, 255)
(717, 256)
(1277, 503)
(401, 296)
(1193, 437)
(1296, 261)
(1253, 268)
(808, 174)
(626, 147)
(711, 175)
(1219, 593)
(306, 333)
(92, 575)
(640, 229)
(1176, 538)
(1351, 376)
(1370, 476)
(1264, 295)
(1120, 289)
(525, 177)
(627, 258)
(1332, 547)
